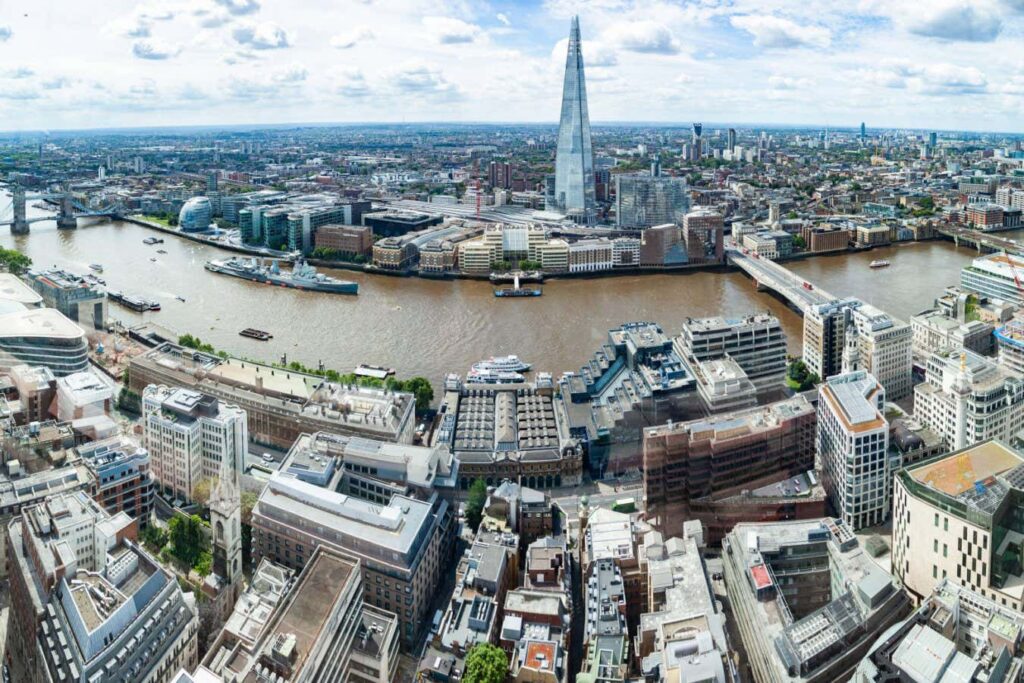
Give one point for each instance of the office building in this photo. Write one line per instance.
(84, 395)
(122, 480)
(616, 539)
(931, 646)
(37, 391)
(994, 276)
(14, 290)
(848, 334)
(280, 404)
(591, 255)
(395, 223)
(704, 234)
(313, 627)
(662, 247)
(932, 331)
(755, 342)
(371, 470)
(196, 215)
(853, 448)
(985, 216)
(403, 547)
(42, 337)
(344, 240)
(30, 477)
(967, 399)
(606, 629)
(731, 140)
(635, 380)
(682, 635)
(807, 600)
(188, 435)
(697, 469)
(645, 201)
(770, 244)
(87, 603)
(956, 517)
(72, 295)
(572, 189)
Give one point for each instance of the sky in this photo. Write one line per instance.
(943, 64)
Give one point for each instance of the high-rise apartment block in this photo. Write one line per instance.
(188, 435)
(853, 445)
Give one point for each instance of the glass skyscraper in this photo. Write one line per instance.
(574, 161)
(645, 201)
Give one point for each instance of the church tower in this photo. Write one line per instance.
(226, 524)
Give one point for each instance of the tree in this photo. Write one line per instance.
(14, 261)
(188, 341)
(154, 537)
(422, 389)
(187, 538)
(799, 377)
(201, 491)
(485, 663)
(475, 503)
(798, 242)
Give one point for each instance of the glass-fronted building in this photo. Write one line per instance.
(995, 276)
(196, 215)
(574, 160)
(645, 201)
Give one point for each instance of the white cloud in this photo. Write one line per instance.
(959, 20)
(155, 50)
(773, 32)
(20, 72)
(349, 39)
(18, 94)
(296, 73)
(788, 83)
(55, 83)
(642, 36)
(265, 35)
(239, 7)
(350, 82)
(129, 27)
(5, 33)
(450, 31)
(503, 18)
(419, 78)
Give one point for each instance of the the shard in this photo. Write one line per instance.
(573, 192)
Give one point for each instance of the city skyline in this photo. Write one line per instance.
(245, 62)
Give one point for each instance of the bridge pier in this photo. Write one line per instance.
(66, 217)
(20, 224)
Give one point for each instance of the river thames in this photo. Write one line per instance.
(429, 327)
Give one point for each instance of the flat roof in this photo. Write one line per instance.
(958, 472)
(39, 322)
(323, 581)
(13, 288)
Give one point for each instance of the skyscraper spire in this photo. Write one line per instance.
(574, 160)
